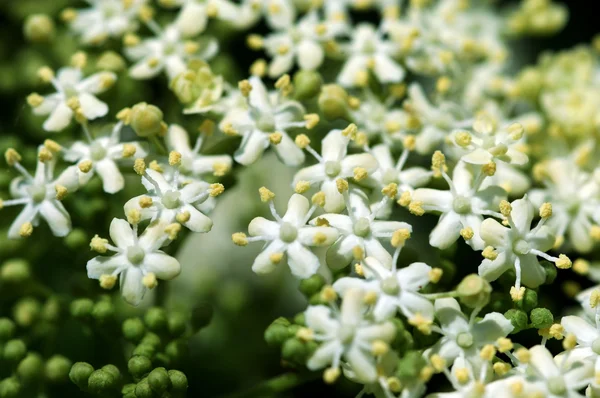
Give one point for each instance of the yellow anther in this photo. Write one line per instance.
(302, 141)
(154, 165)
(515, 131)
(275, 138)
(73, 103)
(415, 208)
(489, 253)
(556, 331)
(322, 222)
(426, 373)
(569, 342)
(342, 185)
(523, 355)
(517, 294)
(145, 202)
(61, 191)
(516, 388)
(128, 150)
(245, 87)
(283, 82)
(305, 334)
(489, 169)
(350, 131)
(394, 384)
(124, 115)
(463, 138)
(134, 216)
(283, 49)
(149, 280)
(34, 100)
(12, 157)
(220, 169)
(146, 13)
(131, 40)
(504, 344)
(361, 139)
(99, 244)
(239, 238)
(265, 194)
(379, 348)
(563, 262)
(595, 298)
(174, 158)
(139, 166)
(361, 78)
(435, 274)
(501, 368)
(581, 266)
(191, 47)
(68, 15)
(438, 163)
(258, 68)
(302, 187)
(85, 166)
(216, 190)
(229, 130)
(421, 323)
(546, 210)
(595, 232)
(311, 119)
(438, 363)
(399, 237)
(505, 208)
(405, 199)
(255, 42)
(212, 10)
(183, 217)
(79, 60)
(354, 103)
(462, 375)
(358, 253)
(172, 230)
(391, 126)
(44, 155)
(319, 238)
(360, 173)
(358, 268)
(318, 199)
(488, 352)
(45, 74)
(443, 85)
(328, 294)
(107, 281)
(275, 258)
(467, 233)
(26, 230)
(370, 297)
(330, 375)
(390, 190)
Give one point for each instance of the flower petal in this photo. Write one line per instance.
(112, 179)
(59, 118)
(263, 264)
(260, 226)
(302, 262)
(307, 235)
(252, 147)
(162, 265)
(132, 288)
(586, 334)
(121, 233)
(56, 216)
(28, 214)
(297, 210)
(446, 232)
(198, 222)
(493, 233)
(414, 277)
(103, 265)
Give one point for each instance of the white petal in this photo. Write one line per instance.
(374, 248)
(478, 156)
(56, 216)
(162, 265)
(385, 308)
(59, 118)
(252, 147)
(334, 146)
(364, 160)
(205, 164)
(339, 254)
(69, 76)
(289, 153)
(334, 200)
(92, 107)
(318, 318)
(302, 262)
(543, 362)
(198, 222)
(522, 214)
(310, 55)
(532, 272)
(384, 156)
(143, 70)
(342, 285)
(341, 222)
(492, 327)
(433, 198)
(132, 288)
(324, 355)
(112, 179)
(446, 232)
(260, 226)
(354, 65)
(297, 209)
(412, 304)
(363, 365)
(414, 277)
(493, 233)
(121, 233)
(314, 173)
(387, 70)
(450, 316)
(385, 228)
(491, 270)
(263, 264)
(281, 64)
(177, 139)
(352, 308)
(586, 334)
(103, 265)
(259, 97)
(307, 235)
(96, 83)
(191, 19)
(26, 215)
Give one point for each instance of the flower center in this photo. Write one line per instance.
(332, 168)
(461, 205)
(346, 334)
(556, 385)
(70, 91)
(170, 200)
(521, 247)
(288, 232)
(37, 193)
(97, 151)
(390, 286)
(464, 340)
(266, 123)
(135, 254)
(362, 227)
(390, 176)
(596, 346)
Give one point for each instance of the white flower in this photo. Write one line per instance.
(192, 161)
(462, 207)
(514, 181)
(360, 234)
(347, 336)
(74, 92)
(106, 18)
(41, 194)
(301, 42)
(102, 154)
(134, 259)
(464, 337)
(369, 51)
(396, 290)
(266, 114)
(193, 15)
(559, 381)
(169, 201)
(574, 195)
(280, 14)
(517, 246)
(588, 338)
(291, 236)
(334, 163)
(378, 118)
(168, 52)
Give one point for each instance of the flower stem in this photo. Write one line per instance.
(435, 296)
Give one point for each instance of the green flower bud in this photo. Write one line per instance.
(57, 369)
(10, 388)
(111, 61)
(146, 350)
(529, 301)
(541, 318)
(156, 319)
(76, 239)
(31, 367)
(7, 329)
(294, 350)
(143, 390)
(176, 350)
(15, 350)
(178, 380)
(201, 316)
(307, 84)
(128, 390)
(139, 365)
(26, 312)
(151, 339)
(133, 329)
(410, 365)
(518, 318)
(300, 319)
(113, 371)
(333, 102)
(39, 28)
(551, 272)
(474, 291)
(276, 334)
(15, 271)
(80, 373)
(177, 324)
(81, 308)
(51, 309)
(312, 285)
(146, 120)
(101, 381)
(185, 87)
(159, 380)
(103, 310)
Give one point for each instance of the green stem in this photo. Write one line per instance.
(435, 296)
(159, 145)
(276, 385)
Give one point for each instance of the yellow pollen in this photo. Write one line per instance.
(516, 131)
(517, 294)
(258, 68)
(183, 217)
(318, 199)
(44, 155)
(489, 169)
(399, 237)
(134, 216)
(379, 348)
(358, 253)
(546, 210)
(595, 298)
(569, 342)
(370, 297)
(229, 130)
(276, 258)
(98, 244)
(438, 363)
(467, 233)
(149, 280)
(595, 232)
(504, 344)
(350, 131)
(265, 194)
(463, 138)
(319, 238)
(275, 138)
(302, 186)
(415, 208)
(220, 169)
(360, 173)
(342, 185)
(174, 158)
(305, 334)
(255, 42)
(516, 388)
(85, 166)
(61, 191)
(245, 87)
(79, 60)
(443, 85)
(45, 74)
(34, 100)
(488, 352)
(563, 262)
(435, 274)
(216, 190)
(239, 238)
(353, 103)
(421, 323)
(361, 78)
(405, 199)
(390, 190)
(394, 384)
(505, 208)
(312, 119)
(68, 15)
(581, 266)
(283, 82)
(426, 374)
(330, 375)
(107, 281)
(501, 368)
(172, 230)
(462, 375)
(489, 253)
(328, 294)
(129, 150)
(131, 40)
(26, 230)
(523, 355)
(302, 141)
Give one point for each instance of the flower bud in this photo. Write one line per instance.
(111, 61)
(26, 312)
(177, 324)
(146, 120)
(15, 350)
(146, 350)
(410, 365)
(518, 318)
(7, 329)
(57, 369)
(143, 390)
(312, 285)
(156, 319)
(159, 380)
(529, 301)
(103, 311)
(31, 367)
(551, 272)
(201, 316)
(474, 291)
(307, 84)
(81, 308)
(541, 318)
(176, 350)
(333, 102)
(178, 380)
(76, 239)
(294, 350)
(10, 388)
(15, 271)
(101, 381)
(133, 329)
(139, 365)
(277, 332)
(80, 373)
(39, 28)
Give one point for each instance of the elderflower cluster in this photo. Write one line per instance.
(436, 188)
